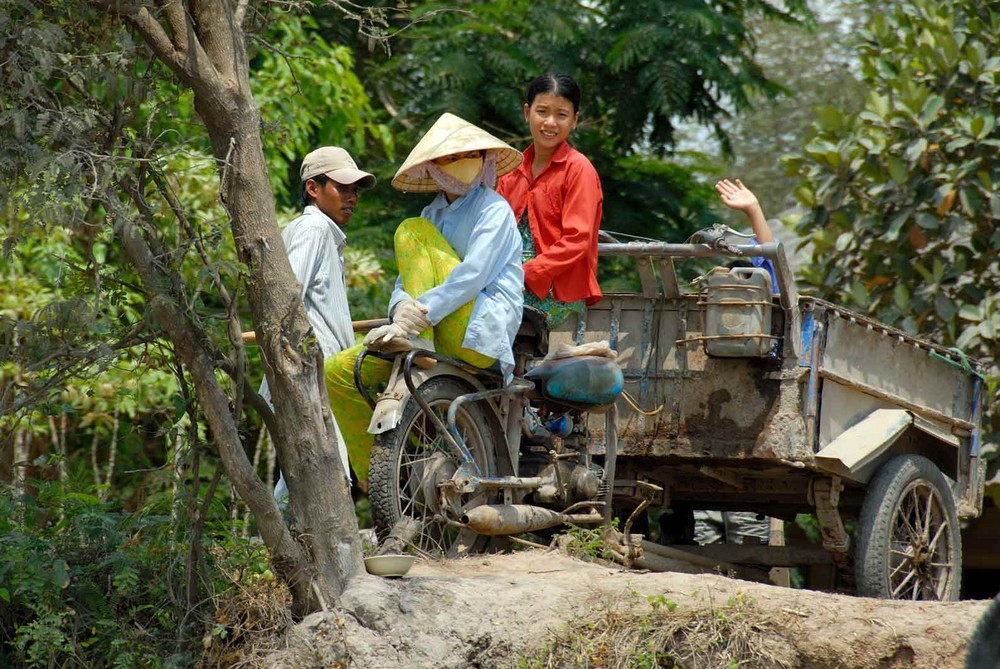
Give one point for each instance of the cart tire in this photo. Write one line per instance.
(404, 458)
(909, 542)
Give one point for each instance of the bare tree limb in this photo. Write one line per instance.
(177, 19)
(219, 35)
(289, 558)
(240, 12)
(183, 53)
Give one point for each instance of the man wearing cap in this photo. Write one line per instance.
(315, 244)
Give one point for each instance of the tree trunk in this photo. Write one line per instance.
(203, 43)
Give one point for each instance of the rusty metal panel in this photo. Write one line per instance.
(897, 369)
(707, 407)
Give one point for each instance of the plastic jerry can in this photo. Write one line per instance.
(738, 313)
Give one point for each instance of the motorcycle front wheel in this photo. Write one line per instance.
(409, 461)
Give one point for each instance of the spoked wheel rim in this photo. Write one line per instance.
(426, 459)
(920, 562)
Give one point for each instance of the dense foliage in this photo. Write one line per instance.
(644, 67)
(903, 198)
(83, 585)
(113, 474)
(72, 307)
(93, 400)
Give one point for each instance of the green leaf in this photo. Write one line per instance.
(829, 118)
(970, 201)
(924, 273)
(967, 337)
(971, 312)
(806, 196)
(859, 294)
(988, 122)
(932, 105)
(945, 308)
(987, 330)
(958, 143)
(878, 104)
(897, 169)
(928, 221)
(916, 149)
(60, 573)
(892, 232)
(901, 296)
(939, 268)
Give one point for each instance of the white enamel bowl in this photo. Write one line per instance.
(389, 565)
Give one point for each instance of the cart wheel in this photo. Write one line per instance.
(409, 461)
(909, 543)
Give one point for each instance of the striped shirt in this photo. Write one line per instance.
(315, 246)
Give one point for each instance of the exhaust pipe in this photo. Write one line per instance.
(497, 519)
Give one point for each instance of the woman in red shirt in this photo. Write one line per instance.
(557, 199)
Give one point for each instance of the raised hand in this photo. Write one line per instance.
(736, 195)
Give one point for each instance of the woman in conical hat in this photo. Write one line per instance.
(449, 138)
(460, 281)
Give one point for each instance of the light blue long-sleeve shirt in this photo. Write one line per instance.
(480, 226)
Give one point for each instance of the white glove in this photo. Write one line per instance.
(411, 316)
(388, 339)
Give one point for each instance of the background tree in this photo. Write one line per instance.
(817, 65)
(104, 101)
(644, 66)
(902, 198)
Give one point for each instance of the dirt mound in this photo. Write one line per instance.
(489, 611)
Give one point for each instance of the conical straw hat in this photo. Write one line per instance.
(451, 134)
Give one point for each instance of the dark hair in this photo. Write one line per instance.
(555, 83)
(320, 180)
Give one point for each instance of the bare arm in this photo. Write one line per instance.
(738, 197)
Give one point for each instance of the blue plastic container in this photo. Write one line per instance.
(586, 380)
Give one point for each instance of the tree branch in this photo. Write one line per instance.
(150, 29)
(289, 557)
(177, 19)
(183, 54)
(240, 12)
(219, 34)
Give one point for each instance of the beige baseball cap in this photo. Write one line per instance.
(335, 163)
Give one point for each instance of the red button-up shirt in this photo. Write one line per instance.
(565, 204)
